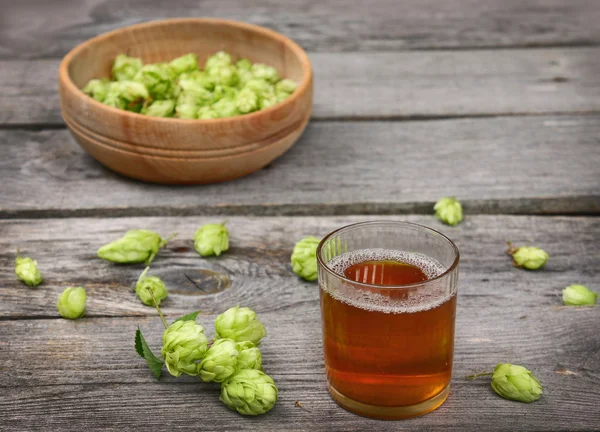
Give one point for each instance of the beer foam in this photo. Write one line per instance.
(417, 300)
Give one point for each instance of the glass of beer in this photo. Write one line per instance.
(388, 304)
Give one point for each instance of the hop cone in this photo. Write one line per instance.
(250, 356)
(135, 246)
(152, 283)
(184, 343)
(449, 211)
(304, 258)
(516, 383)
(240, 325)
(249, 392)
(27, 271)
(211, 239)
(71, 303)
(219, 362)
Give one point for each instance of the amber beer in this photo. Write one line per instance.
(388, 351)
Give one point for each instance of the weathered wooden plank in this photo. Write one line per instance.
(39, 29)
(60, 375)
(512, 164)
(258, 263)
(384, 85)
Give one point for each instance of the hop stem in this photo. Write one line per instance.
(157, 308)
(477, 375)
(511, 249)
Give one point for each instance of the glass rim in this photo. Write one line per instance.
(384, 287)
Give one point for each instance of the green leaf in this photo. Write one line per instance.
(189, 317)
(144, 350)
(138, 343)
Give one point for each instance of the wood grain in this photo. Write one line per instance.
(513, 164)
(34, 28)
(401, 85)
(258, 263)
(87, 373)
(60, 374)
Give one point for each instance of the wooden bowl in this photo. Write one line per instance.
(179, 139)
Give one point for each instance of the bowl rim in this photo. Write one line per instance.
(65, 78)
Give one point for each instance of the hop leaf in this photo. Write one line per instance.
(249, 392)
(184, 343)
(304, 258)
(145, 352)
(449, 210)
(516, 383)
(71, 303)
(578, 295)
(240, 325)
(27, 271)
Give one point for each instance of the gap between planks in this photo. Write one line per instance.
(551, 206)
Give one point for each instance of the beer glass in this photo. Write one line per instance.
(388, 340)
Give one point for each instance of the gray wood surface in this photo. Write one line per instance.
(35, 28)
(496, 102)
(404, 85)
(87, 373)
(258, 262)
(512, 164)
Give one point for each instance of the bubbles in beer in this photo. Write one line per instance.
(383, 299)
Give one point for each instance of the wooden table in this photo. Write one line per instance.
(495, 102)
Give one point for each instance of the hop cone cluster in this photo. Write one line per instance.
(233, 360)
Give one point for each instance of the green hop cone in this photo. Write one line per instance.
(211, 239)
(194, 92)
(246, 101)
(225, 75)
(185, 63)
(71, 303)
(27, 271)
(250, 356)
(151, 283)
(249, 392)
(240, 325)
(157, 79)
(304, 258)
(449, 211)
(186, 111)
(226, 107)
(516, 383)
(268, 73)
(217, 60)
(184, 343)
(135, 246)
(160, 108)
(286, 86)
(219, 362)
(127, 95)
(578, 295)
(97, 88)
(244, 64)
(207, 113)
(531, 258)
(125, 68)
